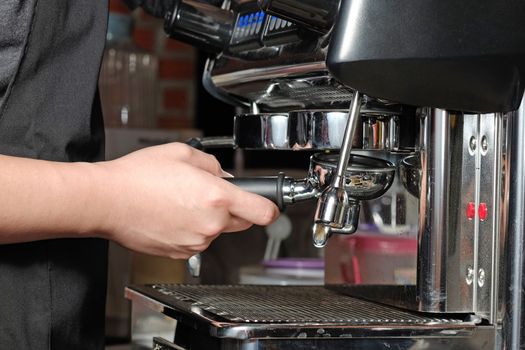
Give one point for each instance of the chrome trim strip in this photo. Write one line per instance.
(513, 326)
(266, 73)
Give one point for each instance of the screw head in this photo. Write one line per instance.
(484, 144)
(473, 144)
(481, 278)
(470, 275)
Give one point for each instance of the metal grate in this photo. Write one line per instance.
(289, 304)
(294, 95)
(316, 91)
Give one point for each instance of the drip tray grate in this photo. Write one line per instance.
(286, 304)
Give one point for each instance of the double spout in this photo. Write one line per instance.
(336, 211)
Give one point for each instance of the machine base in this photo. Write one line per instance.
(288, 317)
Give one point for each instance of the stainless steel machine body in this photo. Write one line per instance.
(458, 195)
(459, 177)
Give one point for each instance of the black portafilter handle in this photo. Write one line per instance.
(205, 143)
(196, 143)
(270, 187)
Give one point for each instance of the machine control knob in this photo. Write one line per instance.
(199, 24)
(317, 15)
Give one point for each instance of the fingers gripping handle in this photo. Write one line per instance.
(270, 187)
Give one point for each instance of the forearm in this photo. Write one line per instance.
(43, 200)
(167, 200)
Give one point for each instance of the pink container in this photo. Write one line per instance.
(378, 259)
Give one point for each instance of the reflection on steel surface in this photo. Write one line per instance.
(366, 177)
(319, 130)
(410, 174)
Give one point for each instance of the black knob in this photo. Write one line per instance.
(270, 187)
(199, 24)
(317, 15)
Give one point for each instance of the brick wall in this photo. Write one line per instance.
(176, 83)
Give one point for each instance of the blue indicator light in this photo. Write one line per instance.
(252, 19)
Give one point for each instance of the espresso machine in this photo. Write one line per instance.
(424, 94)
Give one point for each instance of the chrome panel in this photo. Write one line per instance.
(378, 129)
(512, 301)
(491, 154)
(262, 131)
(434, 202)
(272, 72)
(327, 129)
(502, 243)
(461, 237)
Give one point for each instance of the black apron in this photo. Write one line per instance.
(52, 293)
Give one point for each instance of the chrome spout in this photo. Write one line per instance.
(333, 207)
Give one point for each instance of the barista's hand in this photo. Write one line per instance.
(170, 200)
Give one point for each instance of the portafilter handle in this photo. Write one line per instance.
(270, 187)
(202, 143)
(281, 189)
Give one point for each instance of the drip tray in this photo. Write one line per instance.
(247, 312)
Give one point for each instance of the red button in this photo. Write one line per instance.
(471, 210)
(483, 211)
